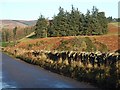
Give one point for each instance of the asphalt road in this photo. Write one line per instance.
(19, 74)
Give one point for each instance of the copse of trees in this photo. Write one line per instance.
(6, 35)
(16, 33)
(73, 23)
(111, 19)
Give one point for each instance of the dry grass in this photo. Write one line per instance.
(51, 43)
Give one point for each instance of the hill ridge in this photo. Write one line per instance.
(19, 23)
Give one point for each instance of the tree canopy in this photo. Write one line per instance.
(73, 23)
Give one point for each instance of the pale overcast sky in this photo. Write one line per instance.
(31, 9)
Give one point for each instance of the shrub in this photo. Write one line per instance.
(90, 45)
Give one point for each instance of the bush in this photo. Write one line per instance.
(90, 45)
(77, 44)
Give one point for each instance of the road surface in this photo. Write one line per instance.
(19, 74)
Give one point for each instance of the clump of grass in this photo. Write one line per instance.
(90, 44)
(101, 47)
(5, 44)
(77, 44)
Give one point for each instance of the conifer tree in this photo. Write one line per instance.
(59, 25)
(103, 22)
(41, 27)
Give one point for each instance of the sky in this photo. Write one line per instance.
(32, 9)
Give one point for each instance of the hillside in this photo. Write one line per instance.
(29, 23)
(108, 42)
(19, 23)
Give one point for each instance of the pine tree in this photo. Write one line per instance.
(59, 25)
(41, 27)
(81, 24)
(74, 21)
(88, 22)
(96, 29)
(103, 22)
